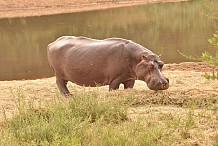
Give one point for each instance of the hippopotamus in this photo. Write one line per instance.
(112, 61)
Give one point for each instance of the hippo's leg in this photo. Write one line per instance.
(129, 84)
(114, 85)
(62, 85)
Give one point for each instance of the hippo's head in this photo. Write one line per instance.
(149, 70)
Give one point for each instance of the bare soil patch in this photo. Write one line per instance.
(191, 66)
(23, 8)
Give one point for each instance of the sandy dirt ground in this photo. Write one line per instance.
(23, 8)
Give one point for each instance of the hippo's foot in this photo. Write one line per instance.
(68, 95)
(129, 84)
(62, 85)
(114, 86)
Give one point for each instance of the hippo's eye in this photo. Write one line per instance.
(160, 66)
(151, 66)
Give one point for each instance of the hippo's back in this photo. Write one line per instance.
(84, 44)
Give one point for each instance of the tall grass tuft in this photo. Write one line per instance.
(94, 109)
(93, 118)
(61, 123)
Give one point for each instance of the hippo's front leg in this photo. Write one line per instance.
(114, 85)
(129, 83)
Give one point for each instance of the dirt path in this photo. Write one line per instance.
(23, 8)
(191, 66)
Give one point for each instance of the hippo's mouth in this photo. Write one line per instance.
(158, 85)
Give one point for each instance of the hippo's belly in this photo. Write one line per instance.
(86, 75)
(88, 68)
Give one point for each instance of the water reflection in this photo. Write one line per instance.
(163, 28)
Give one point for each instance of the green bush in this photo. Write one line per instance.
(206, 56)
(212, 59)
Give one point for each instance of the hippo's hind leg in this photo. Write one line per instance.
(129, 84)
(62, 85)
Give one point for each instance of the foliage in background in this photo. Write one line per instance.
(211, 11)
(208, 57)
(212, 59)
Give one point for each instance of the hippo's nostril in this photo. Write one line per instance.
(166, 83)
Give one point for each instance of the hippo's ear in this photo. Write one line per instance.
(144, 57)
(159, 55)
(120, 45)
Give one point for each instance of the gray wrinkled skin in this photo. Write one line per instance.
(112, 61)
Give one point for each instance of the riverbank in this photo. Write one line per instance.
(24, 8)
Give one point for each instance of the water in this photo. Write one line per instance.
(162, 28)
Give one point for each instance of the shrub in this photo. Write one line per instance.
(206, 56)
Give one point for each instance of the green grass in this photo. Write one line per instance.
(112, 119)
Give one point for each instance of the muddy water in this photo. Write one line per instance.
(162, 28)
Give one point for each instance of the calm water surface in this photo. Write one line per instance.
(162, 28)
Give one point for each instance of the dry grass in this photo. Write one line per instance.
(186, 113)
(201, 123)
